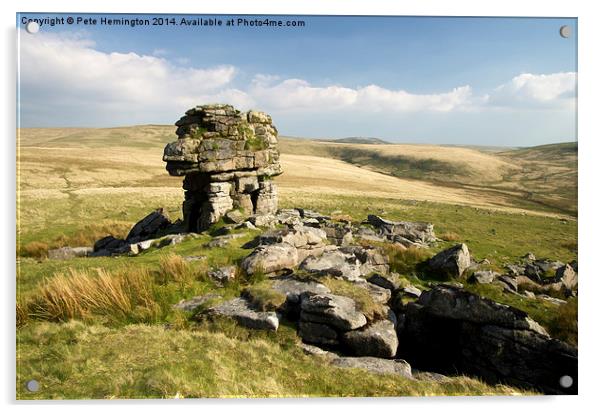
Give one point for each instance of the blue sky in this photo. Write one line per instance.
(489, 81)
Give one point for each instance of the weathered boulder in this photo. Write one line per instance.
(333, 310)
(67, 253)
(452, 331)
(294, 288)
(240, 310)
(389, 281)
(317, 333)
(335, 263)
(371, 259)
(458, 304)
(483, 277)
(377, 340)
(149, 226)
(224, 274)
(510, 283)
(271, 259)
(567, 276)
(195, 302)
(375, 365)
(406, 233)
(379, 294)
(450, 263)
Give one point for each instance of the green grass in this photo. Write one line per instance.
(74, 360)
(501, 237)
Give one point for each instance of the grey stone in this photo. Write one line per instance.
(335, 263)
(334, 310)
(377, 340)
(240, 310)
(452, 262)
(234, 217)
(195, 302)
(390, 282)
(415, 233)
(223, 275)
(66, 253)
(375, 365)
(458, 304)
(149, 226)
(318, 333)
(483, 277)
(294, 289)
(567, 276)
(271, 258)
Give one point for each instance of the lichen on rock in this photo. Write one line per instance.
(228, 158)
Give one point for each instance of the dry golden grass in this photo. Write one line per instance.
(173, 268)
(449, 236)
(35, 249)
(80, 294)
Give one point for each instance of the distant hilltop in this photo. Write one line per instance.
(359, 140)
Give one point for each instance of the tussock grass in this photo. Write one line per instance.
(405, 261)
(173, 268)
(35, 249)
(450, 236)
(91, 233)
(263, 297)
(564, 323)
(124, 296)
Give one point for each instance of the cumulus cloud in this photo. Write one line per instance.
(299, 94)
(66, 80)
(556, 90)
(68, 70)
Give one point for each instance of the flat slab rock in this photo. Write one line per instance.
(375, 365)
(240, 310)
(377, 340)
(271, 258)
(294, 289)
(333, 310)
(455, 303)
(335, 263)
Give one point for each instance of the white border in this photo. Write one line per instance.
(590, 229)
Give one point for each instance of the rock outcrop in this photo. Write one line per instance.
(450, 263)
(228, 158)
(450, 330)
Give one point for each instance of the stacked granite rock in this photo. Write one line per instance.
(228, 158)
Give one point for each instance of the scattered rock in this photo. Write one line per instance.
(379, 294)
(509, 282)
(195, 302)
(567, 276)
(411, 291)
(240, 310)
(376, 340)
(452, 262)
(234, 217)
(375, 365)
(67, 253)
(335, 263)
(295, 289)
(371, 259)
(389, 281)
(270, 259)
(483, 277)
(316, 351)
(334, 310)
(223, 275)
(318, 333)
(406, 233)
(149, 226)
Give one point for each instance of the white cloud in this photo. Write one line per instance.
(66, 70)
(65, 81)
(556, 90)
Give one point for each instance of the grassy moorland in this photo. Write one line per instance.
(106, 328)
